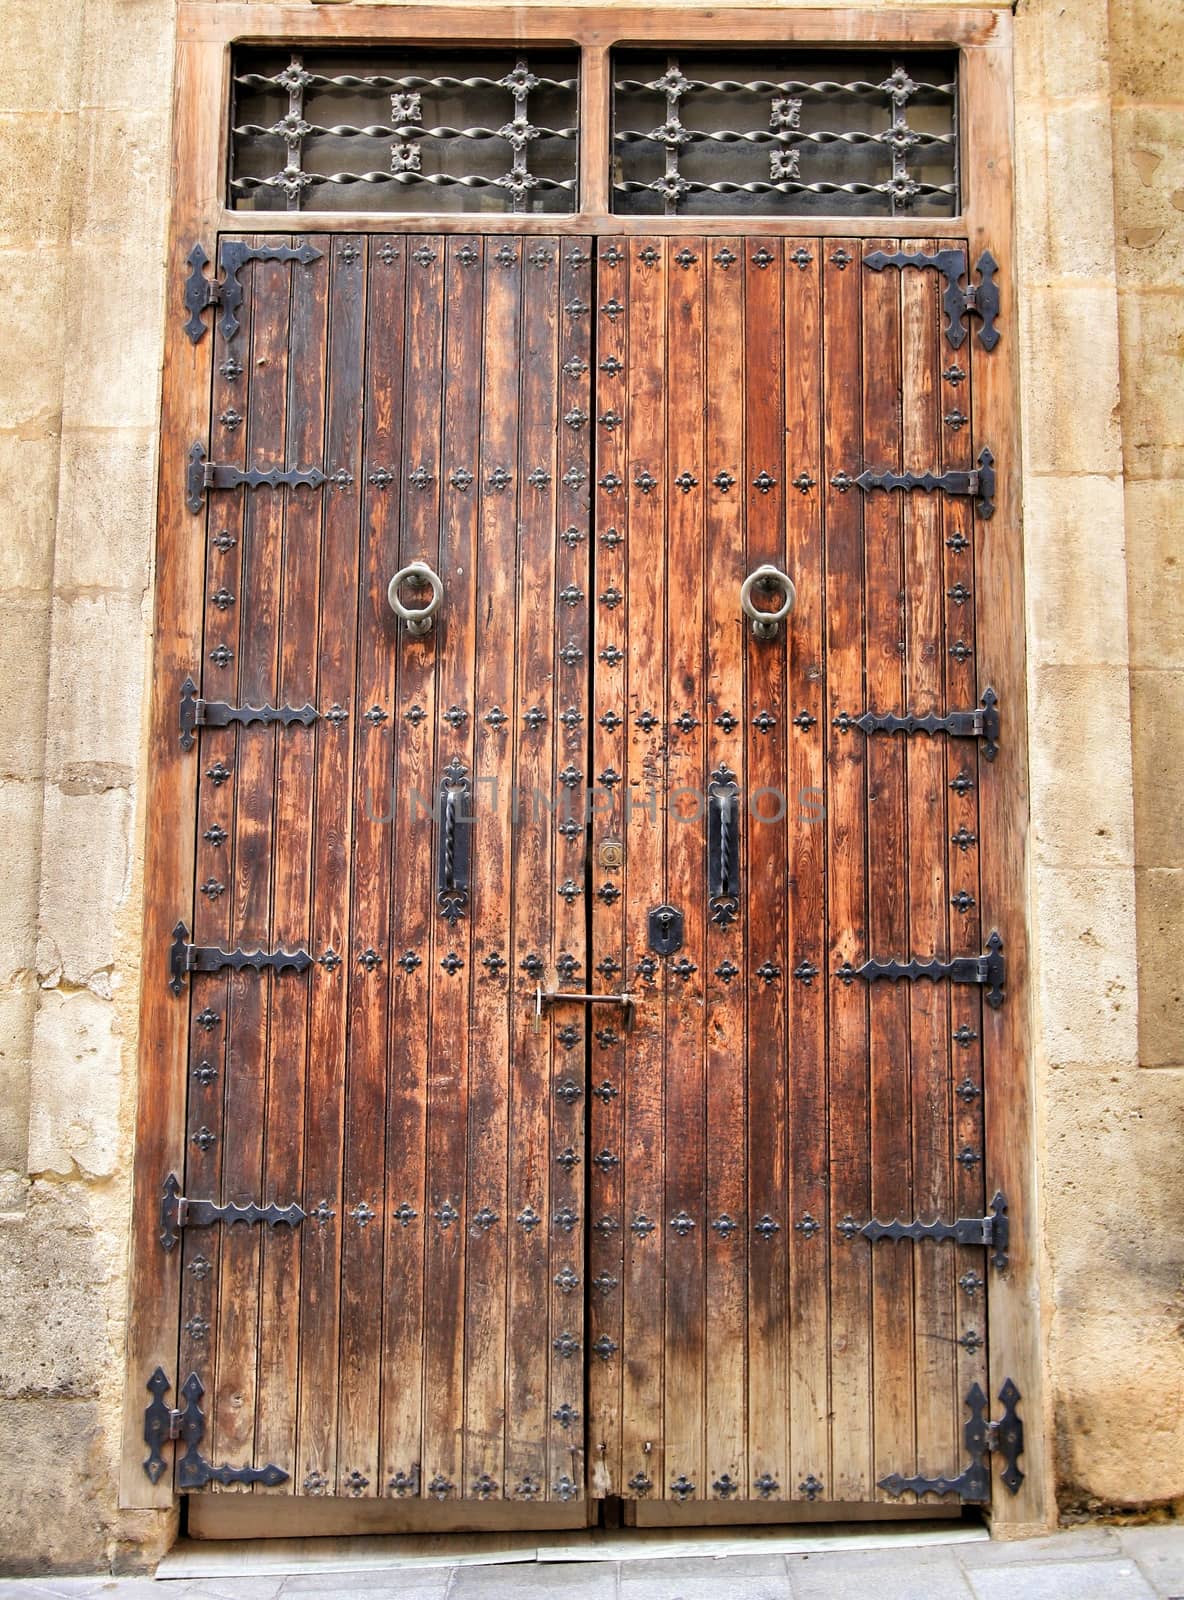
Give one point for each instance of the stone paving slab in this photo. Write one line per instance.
(1095, 1563)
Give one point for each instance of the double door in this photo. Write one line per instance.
(617, 948)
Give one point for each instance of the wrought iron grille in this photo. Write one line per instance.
(410, 130)
(784, 133)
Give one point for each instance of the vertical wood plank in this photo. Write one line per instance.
(612, 636)
(644, 1223)
(300, 576)
(333, 813)
(726, 955)
(887, 884)
(434, 272)
(766, 715)
(568, 916)
(939, 1408)
(685, 885)
(847, 1051)
(232, 1411)
(411, 439)
(811, 1235)
(510, 391)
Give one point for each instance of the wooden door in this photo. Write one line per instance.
(403, 1315)
(750, 1339)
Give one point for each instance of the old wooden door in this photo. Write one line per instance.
(749, 1338)
(537, 953)
(377, 821)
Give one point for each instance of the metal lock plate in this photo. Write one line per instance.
(665, 930)
(611, 854)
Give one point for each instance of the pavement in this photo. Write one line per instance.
(1093, 1563)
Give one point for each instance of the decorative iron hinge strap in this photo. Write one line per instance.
(202, 292)
(982, 723)
(988, 969)
(982, 298)
(161, 1424)
(993, 1230)
(177, 1211)
(973, 1483)
(185, 958)
(977, 482)
(199, 713)
(203, 475)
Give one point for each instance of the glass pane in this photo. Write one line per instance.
(413, 130)
(775, 132)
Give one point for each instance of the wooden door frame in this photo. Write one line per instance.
(205, 33)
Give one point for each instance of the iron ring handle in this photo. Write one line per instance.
(417, 618)
(766, 623)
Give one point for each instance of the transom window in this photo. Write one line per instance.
(771, 132)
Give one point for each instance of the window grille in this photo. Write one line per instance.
(408, 131)
(784, 133)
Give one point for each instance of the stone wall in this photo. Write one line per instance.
(1100, 210)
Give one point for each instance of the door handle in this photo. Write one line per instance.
(456, 820)
(769, 580)
(723, 845)
(551, 997)
(417, 618)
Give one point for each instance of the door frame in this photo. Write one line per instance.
(206, 31)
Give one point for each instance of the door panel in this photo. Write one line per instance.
(420, 1332)
(746, 1344)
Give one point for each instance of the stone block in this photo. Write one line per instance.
(122, 180)
(1065, 228)
(113, 376)
(1147, 49)
(32, 335)
(1080, 755)
(85, 882)
(53, 1521)
(43, 55)
(116, 78)
(586, 1581)
(17, 1009)
(1085, 963)
(1149, 194)
(74, 1086)
(55, 1280)
(36, 156)
(1157, 707)
(1152, 329)
(1069, 371)
(1061, 49)
(1066, 1580)
(20, 825)
(1155, 569)
(1075, 576)
(1159, 916)
(107, 511)
(97, 682)
(1112, 1138)
(1159, 1551)
(29, 466)
(24, 654)
(925, 1574)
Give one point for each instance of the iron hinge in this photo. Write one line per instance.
(177, 1211)
(199, 713)
(982, 298)
(162, 1423)
(202, 475)
(185, 958)
(989, 970)
(202, 292)
(982, 1438)
(993, 1231)
(981, 723)
(976, 482)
